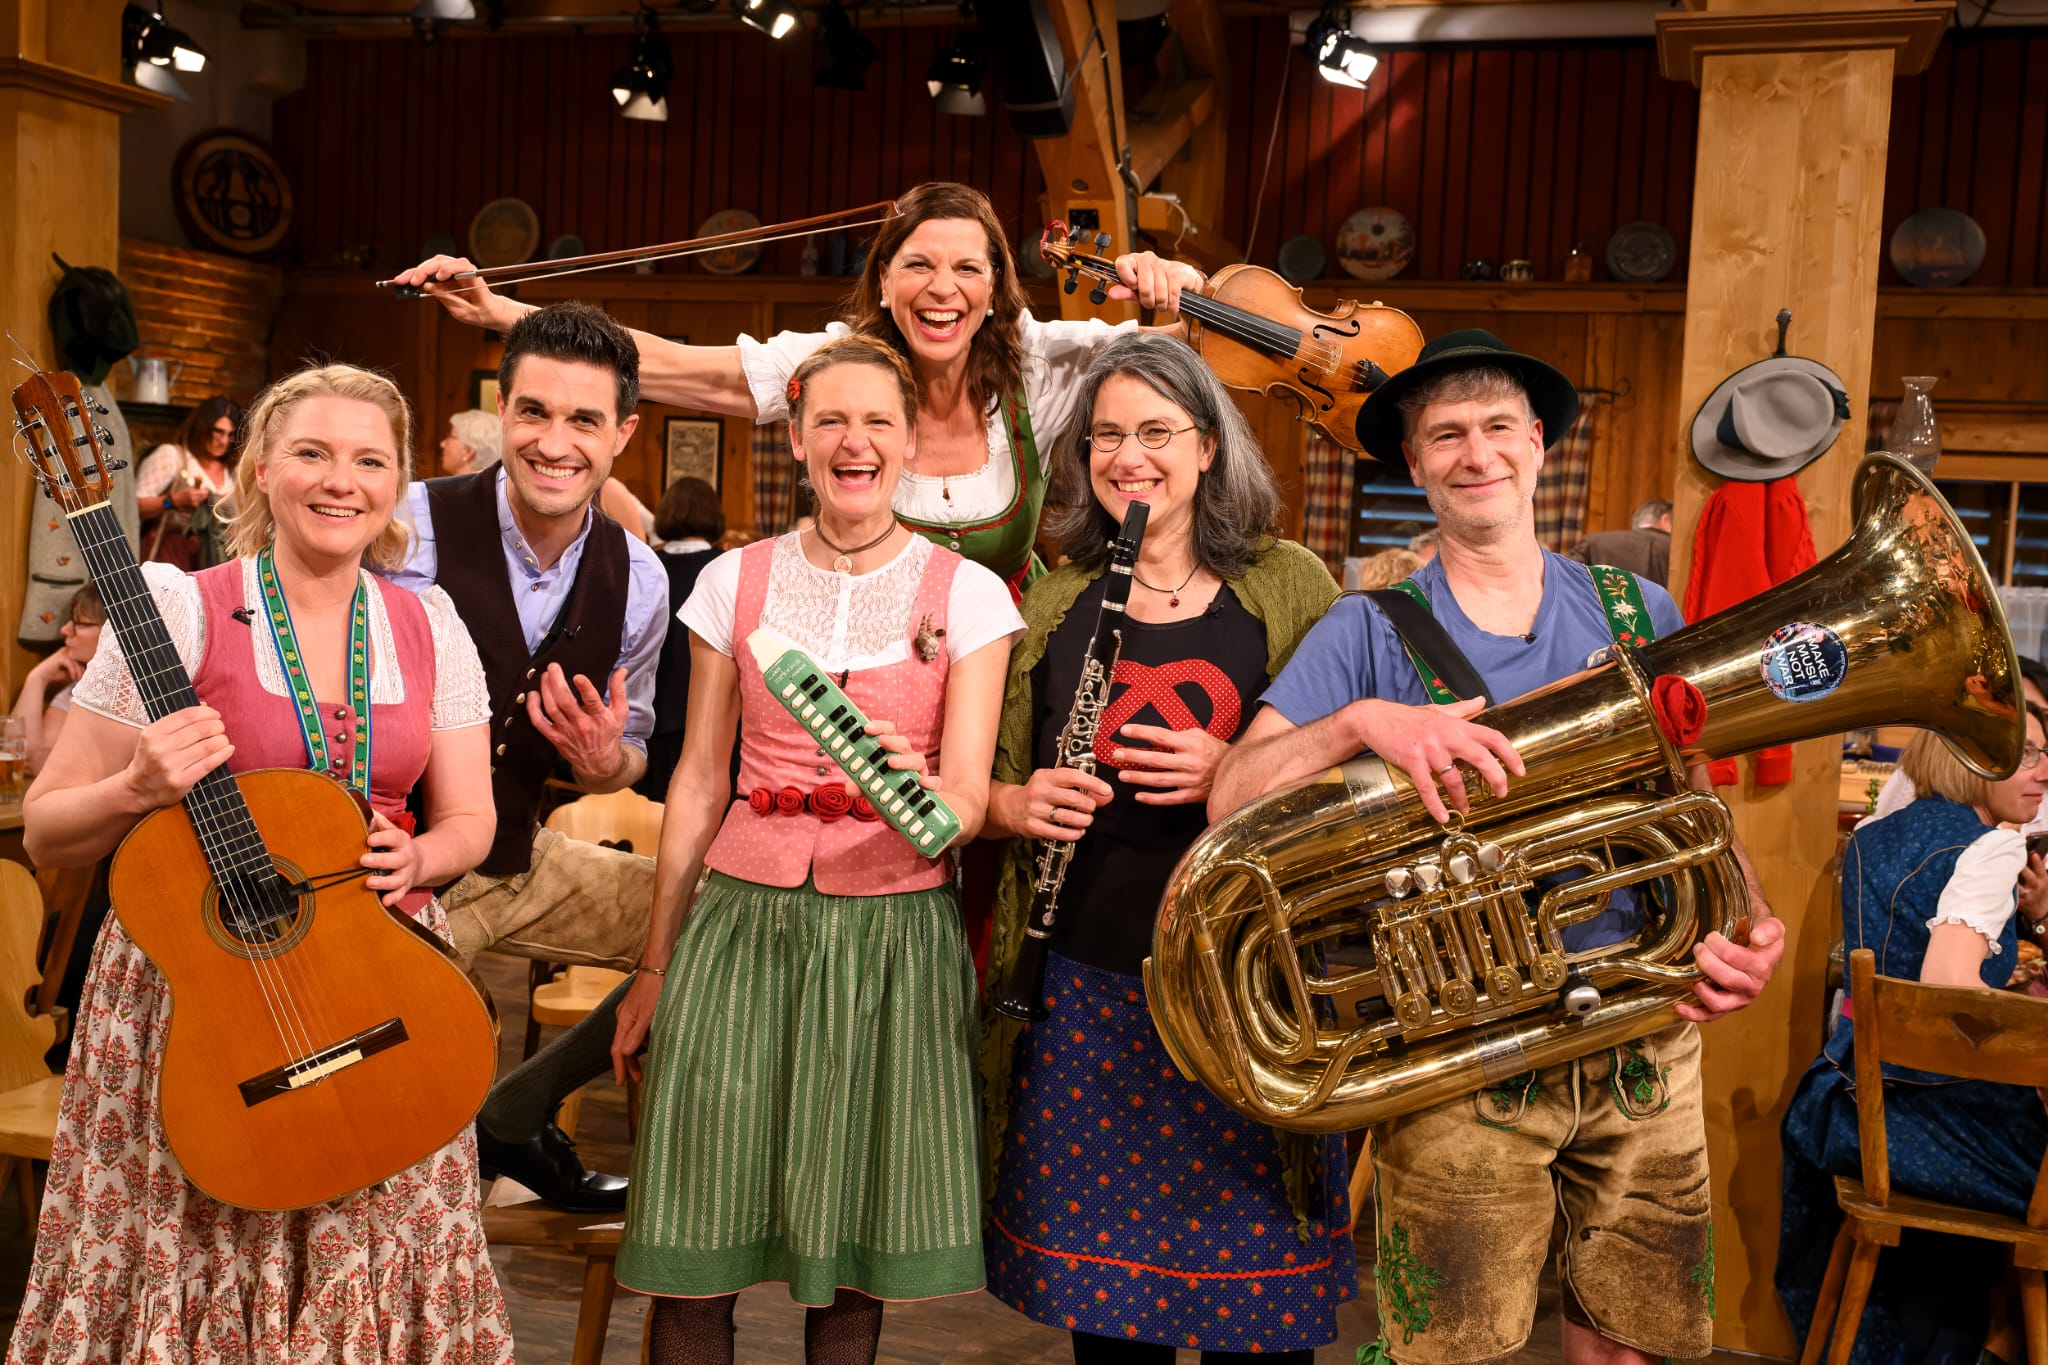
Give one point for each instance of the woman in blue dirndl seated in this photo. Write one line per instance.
(1931, 890)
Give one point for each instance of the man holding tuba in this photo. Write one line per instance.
(1614, 1141)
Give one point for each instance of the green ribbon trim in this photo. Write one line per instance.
(292, 660)
(1431, 683)
(1621, 597)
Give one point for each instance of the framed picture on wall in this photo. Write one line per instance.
(483, 390)
(693, 446)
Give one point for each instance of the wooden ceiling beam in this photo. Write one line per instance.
(1165, 120)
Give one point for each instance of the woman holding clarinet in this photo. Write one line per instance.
(1129, 1205)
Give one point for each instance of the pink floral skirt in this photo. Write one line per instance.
(134, 1264)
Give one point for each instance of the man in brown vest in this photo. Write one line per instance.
(554, 595)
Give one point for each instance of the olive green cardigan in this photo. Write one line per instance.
(1286, 589)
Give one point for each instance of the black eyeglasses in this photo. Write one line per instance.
(1151, 435)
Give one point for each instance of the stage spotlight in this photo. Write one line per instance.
(772, 17)
(1340, 58)
(164, 44)
(955, 78)
(149, 49)
(847, 51)
(445, 11)
(641, 88)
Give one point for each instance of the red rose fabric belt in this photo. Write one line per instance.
(828, 802)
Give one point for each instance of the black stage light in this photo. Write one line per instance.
(772, 17)
(955, 78)
(641, 89)
(1340, 58)
(847, 51)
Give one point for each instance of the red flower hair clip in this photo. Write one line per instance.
(796, 391)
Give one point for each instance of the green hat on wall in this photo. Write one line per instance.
(1553, 396)
(92, 319)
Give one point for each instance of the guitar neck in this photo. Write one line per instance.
(227, 833)
(1250, 329)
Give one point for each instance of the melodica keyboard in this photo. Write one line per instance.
(807, 692)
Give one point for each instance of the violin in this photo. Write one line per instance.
(1257, 334)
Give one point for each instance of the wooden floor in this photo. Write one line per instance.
(542, 1288)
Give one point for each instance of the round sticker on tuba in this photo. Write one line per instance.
(1803, 662)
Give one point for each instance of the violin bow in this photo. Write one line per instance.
(524, 272)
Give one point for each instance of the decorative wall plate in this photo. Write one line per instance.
(232, 194)
(1302, 258)
(1936, 248)
(504, 232)
(731, 260)
(1375, 244)
(1641, 253)
(565, 246)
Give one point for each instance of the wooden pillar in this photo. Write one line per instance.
(61, 101)
(1795, 109)
(1082, 169)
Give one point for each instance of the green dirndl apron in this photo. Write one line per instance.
(1003, 543)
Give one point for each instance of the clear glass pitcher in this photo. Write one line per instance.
(1914, 433)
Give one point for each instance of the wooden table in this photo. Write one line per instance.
(10, 833)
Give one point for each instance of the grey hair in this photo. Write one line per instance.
(1237, 503)
(1650, 513)
(1479, 384)
(481, 431)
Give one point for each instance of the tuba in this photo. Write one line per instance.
(1466, 980)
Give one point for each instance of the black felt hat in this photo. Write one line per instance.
(92, 319)
(1552, 395)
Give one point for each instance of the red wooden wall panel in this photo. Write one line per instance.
(1498, 150)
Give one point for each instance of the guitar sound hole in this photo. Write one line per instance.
(259, 915)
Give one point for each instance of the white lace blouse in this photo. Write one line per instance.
(460, 694)
(849, 621)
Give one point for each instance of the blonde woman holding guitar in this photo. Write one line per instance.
(298, 657)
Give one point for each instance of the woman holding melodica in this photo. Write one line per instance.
(1130, 1206)
(940, 288)
(809, 1014)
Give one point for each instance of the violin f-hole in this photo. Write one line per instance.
(1351, 328)
(1329, 400)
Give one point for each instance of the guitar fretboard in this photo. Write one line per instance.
(227, 833)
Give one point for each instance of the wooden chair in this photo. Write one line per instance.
(535, 1225)
(621, 819)
(565, 1001)
(28, 1092)
(1977, 1035)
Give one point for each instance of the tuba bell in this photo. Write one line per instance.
(1466, 979)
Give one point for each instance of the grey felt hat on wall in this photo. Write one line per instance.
(1771, 419)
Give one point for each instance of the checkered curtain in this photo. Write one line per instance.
(1328, 475)
(775, 491)
(1561, 489)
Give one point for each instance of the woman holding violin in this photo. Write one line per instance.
(1129, 1205)
(940, 287)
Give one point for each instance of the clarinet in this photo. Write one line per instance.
(1022, 996)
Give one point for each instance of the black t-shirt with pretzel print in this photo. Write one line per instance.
(1205, 672)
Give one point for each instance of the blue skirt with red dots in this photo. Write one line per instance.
(1133, 1203)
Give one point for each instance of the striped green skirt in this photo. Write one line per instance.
(809, 1109)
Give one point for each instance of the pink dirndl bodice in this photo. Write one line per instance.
(846, 856)
(265, 727)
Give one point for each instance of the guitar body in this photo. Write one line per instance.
(341, 1048)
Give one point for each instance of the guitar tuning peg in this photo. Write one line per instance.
(113, 465)
(106, 436)
(1102, 241)
(1098, 295)
(99, 407)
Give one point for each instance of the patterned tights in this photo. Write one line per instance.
(1094, 1350)
(699, 1331)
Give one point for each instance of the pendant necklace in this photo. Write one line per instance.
(842, 561)
(1173, 594)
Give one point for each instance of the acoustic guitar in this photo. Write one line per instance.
(319, 1042)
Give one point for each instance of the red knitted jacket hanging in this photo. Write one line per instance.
(1751, 535)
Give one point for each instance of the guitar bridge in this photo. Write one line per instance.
(318, 1066)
